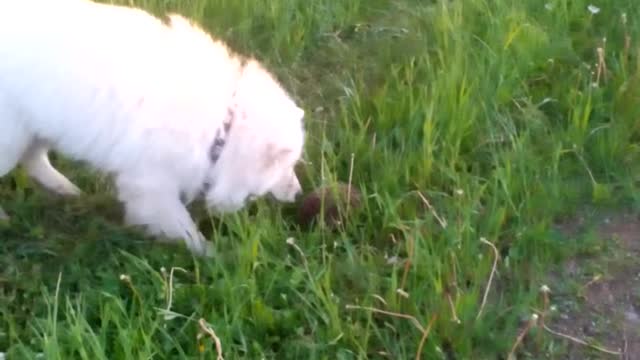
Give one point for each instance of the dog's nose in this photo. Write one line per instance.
(296, 191)
(292, 197)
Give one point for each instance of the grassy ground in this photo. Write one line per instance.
(465, 123)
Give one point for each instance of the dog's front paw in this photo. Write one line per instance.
(3, 215)
(201, 247)
(210, 250)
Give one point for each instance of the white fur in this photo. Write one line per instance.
(143, 100)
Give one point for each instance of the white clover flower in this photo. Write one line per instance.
(593, 9)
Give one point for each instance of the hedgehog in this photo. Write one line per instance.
(338, 200)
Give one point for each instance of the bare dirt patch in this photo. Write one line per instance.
(597, 297)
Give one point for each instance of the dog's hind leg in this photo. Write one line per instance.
(36, 163)
(14, 141)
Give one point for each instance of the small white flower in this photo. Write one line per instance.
(291, 241)
(392, 260)
(593, 9)
(459, 192)
(548, 6)
(545, 289)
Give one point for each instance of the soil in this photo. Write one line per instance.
(597, 297)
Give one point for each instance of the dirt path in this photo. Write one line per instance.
(597, 297)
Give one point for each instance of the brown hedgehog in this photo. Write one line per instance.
(338, 200)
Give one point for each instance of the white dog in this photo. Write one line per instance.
(167, 110)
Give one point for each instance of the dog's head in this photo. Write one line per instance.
(264, 143)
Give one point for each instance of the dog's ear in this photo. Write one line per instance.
(276, 154)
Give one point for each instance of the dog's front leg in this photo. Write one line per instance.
(162, 213)
(166, 217)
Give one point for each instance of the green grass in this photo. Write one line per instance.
(489, 109)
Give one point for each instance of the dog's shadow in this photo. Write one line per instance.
(47, 224)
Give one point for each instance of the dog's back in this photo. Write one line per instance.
(74, 69)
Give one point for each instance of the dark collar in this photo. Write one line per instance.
(221, 138)
(217, 146)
